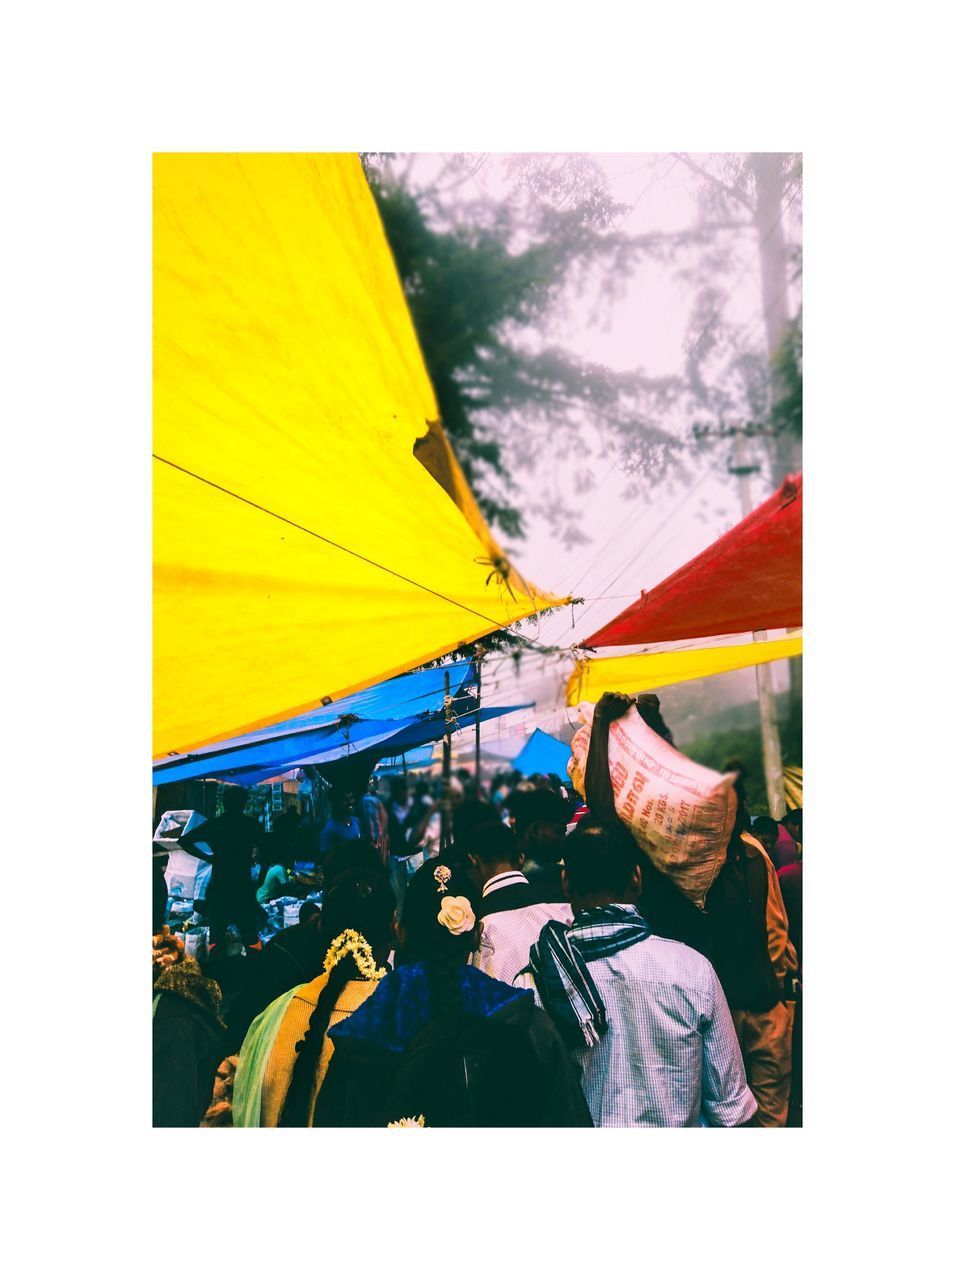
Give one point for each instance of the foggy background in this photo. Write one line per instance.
(599, 320)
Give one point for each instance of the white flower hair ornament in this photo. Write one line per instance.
(457, 915)
(408, 1122)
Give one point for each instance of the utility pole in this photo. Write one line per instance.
(769, 172)
(772, 752)
(770, 177)
(446, 768)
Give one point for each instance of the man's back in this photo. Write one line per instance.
(511, 920)
(232, 837)
(337, 831)
(669, 1056)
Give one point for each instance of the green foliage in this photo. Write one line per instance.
(715, 750)
(482, 282)
(488, 279)
(744, 744)
(787, 410)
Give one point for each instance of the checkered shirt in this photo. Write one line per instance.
(669, 1057)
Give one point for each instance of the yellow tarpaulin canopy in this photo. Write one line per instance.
(303, 549)
(638, 672)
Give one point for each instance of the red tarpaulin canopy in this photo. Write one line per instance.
(748, 580)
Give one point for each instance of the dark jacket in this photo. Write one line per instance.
(293, 956)
(512, 897)
(509, 898)
(490, 1058)
(669, 912)
(188, 1045)
(736, 907)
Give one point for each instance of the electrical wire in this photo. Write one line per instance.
(347, 550)
(625, 521)
(704, 475)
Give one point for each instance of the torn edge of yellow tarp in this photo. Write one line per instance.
(433, 450)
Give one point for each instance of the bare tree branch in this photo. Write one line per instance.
(717, 182)
(436, 190)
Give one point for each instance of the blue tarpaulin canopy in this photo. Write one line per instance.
(365, 736)
(543, 753)
(404, 699)
(395, 716)
(420, 758)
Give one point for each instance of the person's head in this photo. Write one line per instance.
(543, 842)
(437, 917)
(359, 902)
(739, 782)
(535, 805)
(310, 913)
(793, 824)
(491, 848)
(648, 708)
(766, 831)
(398, 792)
(350, 855)
(741, 822)
(600, 866)
(472, 791)
(343, 804)
(233, 799)
(362, 899)
(468, 816)
(455, 790)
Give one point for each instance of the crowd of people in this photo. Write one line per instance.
(534, 969)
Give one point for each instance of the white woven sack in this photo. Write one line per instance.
(679, 812)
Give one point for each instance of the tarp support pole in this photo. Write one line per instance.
(477, 724)
(769, 730)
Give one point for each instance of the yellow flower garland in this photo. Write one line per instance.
(352, 941)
